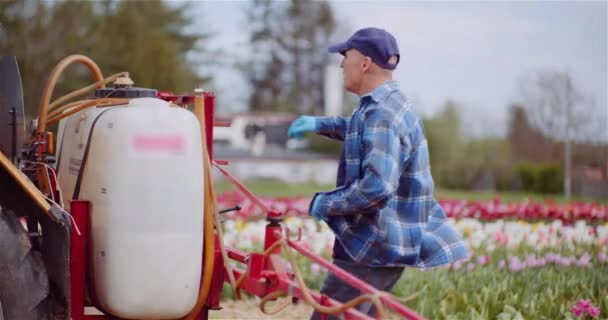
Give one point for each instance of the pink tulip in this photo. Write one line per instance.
(457, 265)
(316, 269)
(583, 304)
(576, 311)
(594, 311)
(601, 257)
(483, 260)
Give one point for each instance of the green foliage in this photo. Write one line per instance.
(544, 178)
(275, 188)
(549, 179)
(492, 293)
(461, 164)
(289, 41)
(146, 38)
(527, 176)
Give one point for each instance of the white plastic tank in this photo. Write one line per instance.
(144, 178)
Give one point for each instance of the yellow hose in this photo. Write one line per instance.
(209, 241)
(59, 110)
(81, 105)
(50, 84)
(224, 253)
(98, 84)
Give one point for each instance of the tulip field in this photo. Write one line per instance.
(529, 259)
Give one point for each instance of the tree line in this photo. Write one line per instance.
(146, 38)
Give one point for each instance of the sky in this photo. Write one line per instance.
(474, 53)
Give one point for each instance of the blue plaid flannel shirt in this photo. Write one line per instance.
(383, 211)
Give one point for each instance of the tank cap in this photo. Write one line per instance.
(126, 92)
(124, 81)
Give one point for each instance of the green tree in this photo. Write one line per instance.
(444, 138)
(265, 68)
(460, 163)
(146, 38)
(24, 34)
(288, 62)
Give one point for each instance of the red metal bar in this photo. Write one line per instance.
(222, 123)
(250, 285)
(222, 162)
(356, 282)
(255, 266)
(270, 238)
(242, 188)
(80, 213)
(237, 255)
(219, 273)
(209, 117)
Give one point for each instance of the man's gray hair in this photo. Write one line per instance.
(393, 59)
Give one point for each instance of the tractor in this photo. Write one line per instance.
(115, 217)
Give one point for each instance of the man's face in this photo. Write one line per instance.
(354, 66)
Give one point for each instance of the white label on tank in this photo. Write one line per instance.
(144, 146)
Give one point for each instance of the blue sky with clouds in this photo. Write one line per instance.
(471, 52)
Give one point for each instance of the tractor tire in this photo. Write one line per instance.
(24, 284)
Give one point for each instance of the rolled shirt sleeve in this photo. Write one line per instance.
(332, 127)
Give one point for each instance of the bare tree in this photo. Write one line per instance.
(559, 110)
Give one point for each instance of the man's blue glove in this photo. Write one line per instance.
(301, 125)
(315, 208)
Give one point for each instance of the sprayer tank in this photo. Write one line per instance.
(140, 166)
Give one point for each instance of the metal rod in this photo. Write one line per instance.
(243, 189)
(356, 282)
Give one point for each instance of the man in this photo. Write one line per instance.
(382, 212)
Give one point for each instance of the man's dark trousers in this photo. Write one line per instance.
(382, 278)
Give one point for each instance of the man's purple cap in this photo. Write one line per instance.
(375, 43)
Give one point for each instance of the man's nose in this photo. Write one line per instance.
(342, 64)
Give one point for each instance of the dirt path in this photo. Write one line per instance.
(250, 309)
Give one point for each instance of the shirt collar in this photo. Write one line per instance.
(382, 91)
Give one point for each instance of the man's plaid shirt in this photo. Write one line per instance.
(383, 211)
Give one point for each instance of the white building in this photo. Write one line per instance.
(255, 145)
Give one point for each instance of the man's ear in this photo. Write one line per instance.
(367, 63)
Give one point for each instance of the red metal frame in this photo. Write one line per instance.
(80, 211)
(209, 99)
(264, 274)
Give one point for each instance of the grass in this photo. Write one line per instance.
(276, 188)
(489, 293)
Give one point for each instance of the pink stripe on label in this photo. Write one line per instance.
(159, 143)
